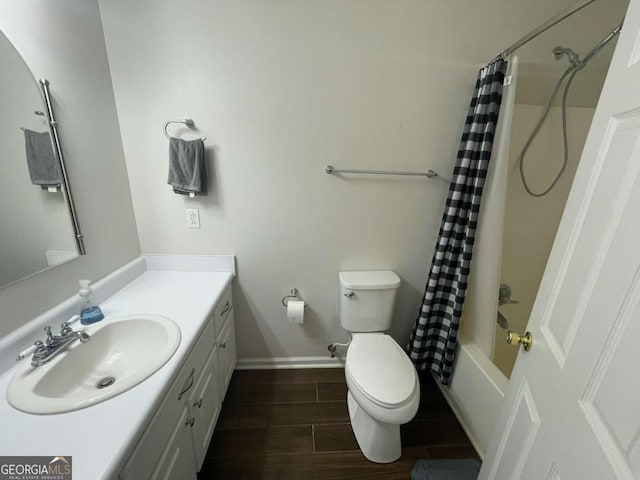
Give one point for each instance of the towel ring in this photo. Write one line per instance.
(187, 121)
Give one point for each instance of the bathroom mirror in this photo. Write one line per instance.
(37, 229)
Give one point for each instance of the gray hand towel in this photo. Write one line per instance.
(41, 161)
(187, 167)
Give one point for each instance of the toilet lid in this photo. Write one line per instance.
(381, 369)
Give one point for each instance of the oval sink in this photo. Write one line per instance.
(122, 352)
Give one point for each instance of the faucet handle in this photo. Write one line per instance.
(68, 323)
(65, 328)
(73, 319)
(33, 348)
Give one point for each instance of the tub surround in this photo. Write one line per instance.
(476, 393)
(100, 438)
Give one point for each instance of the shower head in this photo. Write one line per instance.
(559, 51)
(574, 58)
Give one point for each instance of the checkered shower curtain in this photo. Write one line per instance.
(433, 341)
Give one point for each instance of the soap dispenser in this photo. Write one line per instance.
(90, 312)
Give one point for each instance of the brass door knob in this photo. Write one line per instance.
(525, 340)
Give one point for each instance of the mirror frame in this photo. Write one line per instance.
(55, 139)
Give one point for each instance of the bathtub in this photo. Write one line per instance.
(476, 393)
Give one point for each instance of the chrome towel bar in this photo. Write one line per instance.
(429, 173)
(55, 140)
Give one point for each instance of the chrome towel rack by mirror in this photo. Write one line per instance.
(429, 173)
(55, 139)
(186, 121)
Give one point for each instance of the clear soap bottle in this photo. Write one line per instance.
(90, 312)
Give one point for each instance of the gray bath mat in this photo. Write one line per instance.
(462, 469)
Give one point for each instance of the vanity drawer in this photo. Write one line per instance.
(154, 440)
(221, 312)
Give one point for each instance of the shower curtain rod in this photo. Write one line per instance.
(543, 27)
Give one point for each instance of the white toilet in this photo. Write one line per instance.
(384, 390)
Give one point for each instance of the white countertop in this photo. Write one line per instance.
(101, 437)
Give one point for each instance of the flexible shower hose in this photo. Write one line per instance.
(571, 73)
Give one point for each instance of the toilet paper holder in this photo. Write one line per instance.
(292, 296)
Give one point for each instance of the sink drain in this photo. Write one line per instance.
(106, 382)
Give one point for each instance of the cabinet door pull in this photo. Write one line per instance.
(226, 308)
(190, 422)
(223, 345)
(188, 385)
(198, 404)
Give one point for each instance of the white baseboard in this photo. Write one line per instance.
(289, 362)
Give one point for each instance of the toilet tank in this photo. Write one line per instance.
(366, 300)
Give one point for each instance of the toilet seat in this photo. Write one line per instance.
(379, 368)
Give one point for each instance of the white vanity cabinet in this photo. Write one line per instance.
(224, 324)
(176, 460)
(175, 442)
(227, 354)
(204, 407)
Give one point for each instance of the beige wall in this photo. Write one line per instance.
(531, 223)
(63, 42)
(536, 77)
(281, 89)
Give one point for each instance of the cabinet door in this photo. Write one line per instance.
(204, 405)
(150, 447)
(176, 462)
(222, 310)
(227, 353)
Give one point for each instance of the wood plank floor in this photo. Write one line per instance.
(294, 425)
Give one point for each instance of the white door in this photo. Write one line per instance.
(572, 410)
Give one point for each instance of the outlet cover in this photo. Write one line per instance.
(193, 218)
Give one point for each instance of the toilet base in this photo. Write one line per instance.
(379, 442)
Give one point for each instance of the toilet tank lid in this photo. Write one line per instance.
(369, 280)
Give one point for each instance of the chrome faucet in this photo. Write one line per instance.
(54, 345)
